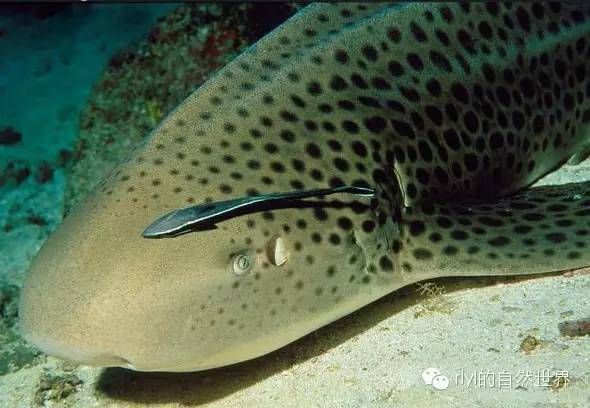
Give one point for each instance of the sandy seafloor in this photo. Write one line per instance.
(373, 357)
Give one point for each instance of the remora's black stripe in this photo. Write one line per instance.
(205, 216)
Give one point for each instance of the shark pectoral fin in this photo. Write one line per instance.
(580, 156)
(544, 229)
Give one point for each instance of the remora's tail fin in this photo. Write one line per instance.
(543, 229)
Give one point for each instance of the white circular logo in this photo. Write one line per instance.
(440, 382)
(429, 374)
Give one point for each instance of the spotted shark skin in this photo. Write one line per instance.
(450, 111)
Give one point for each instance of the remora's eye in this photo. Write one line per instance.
(242, 264)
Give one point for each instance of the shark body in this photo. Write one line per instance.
(450, 112)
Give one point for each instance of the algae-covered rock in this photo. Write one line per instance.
(9, 136)
(55, 387)
(15, 353)
(145, 82)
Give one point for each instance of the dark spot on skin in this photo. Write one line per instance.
(344, 223)
(422, 254)
(334, 239)
(499, 241)
(417, 227)
(450, 250)
(491, 222)
(313, 150)
(573, 255)
(385, 264)
(444, 222)
(368, 226)
(533, 216)
(556, 237)
(459, 235)
(522, 229)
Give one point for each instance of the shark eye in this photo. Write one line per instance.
(276, 251)
(242, 264)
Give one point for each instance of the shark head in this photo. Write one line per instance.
(99, 293)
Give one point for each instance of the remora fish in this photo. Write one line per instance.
(448, 111)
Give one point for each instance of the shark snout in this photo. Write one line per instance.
(85, 331)
(63, 324)
(77, 311)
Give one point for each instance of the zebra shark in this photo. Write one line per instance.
(447, 112)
